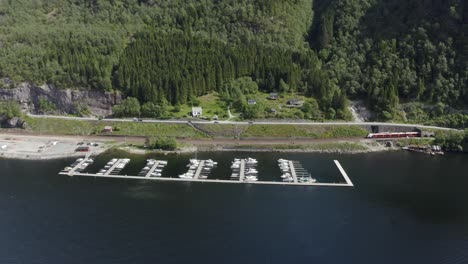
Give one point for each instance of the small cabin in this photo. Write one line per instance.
(197, 111)
(251, 102)
(294, 102)
(273, 96)
(107, 129)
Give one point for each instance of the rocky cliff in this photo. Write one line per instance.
(66, 101)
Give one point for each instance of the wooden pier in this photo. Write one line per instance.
(242, 170)
(112, 168)
(153, 168)
(199, 170)
(72, 171)
(293, 171)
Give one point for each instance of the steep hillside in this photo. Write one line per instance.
(391, 53)
(385, 50)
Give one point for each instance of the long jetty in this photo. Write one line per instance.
(206, 180)
(343, 172)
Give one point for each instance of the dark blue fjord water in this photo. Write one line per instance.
(404, 208)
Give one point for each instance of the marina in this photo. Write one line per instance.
(291, 169)
(243, 172)
(153, 168)
(198, 169)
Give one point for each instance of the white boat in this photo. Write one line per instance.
(156, 174)
(186, 176)
(251, 160)
(250, 178)
(113, 160)
(282, 160)
(158, 170)
(146, 168)
(210, 161)
(251, 170)
(307, 180)
(80, 159)
(163, 162)
(235, 166)
(286, 175)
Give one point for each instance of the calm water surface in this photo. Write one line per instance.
(404, 208)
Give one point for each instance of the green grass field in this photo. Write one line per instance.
(76, 127)
(304, 131)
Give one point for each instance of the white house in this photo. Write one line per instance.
(196, 111)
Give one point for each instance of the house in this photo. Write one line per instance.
(273, 96)
(107, 129)
(294, 102)
(273, 111)
(197, 111)
(251, 102)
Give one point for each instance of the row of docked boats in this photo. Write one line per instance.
(195, 164)
(154, 166)
(82, 162)
(114, 166)
(287, 167)
(246, 173)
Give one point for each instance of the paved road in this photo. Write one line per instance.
(245, 122)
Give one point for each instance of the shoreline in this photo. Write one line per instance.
(26, 146)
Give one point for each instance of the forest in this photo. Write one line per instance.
(406, 59)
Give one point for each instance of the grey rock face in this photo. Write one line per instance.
(67, 101)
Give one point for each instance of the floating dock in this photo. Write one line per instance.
(293, 171)
(199, 171)
(242, 171)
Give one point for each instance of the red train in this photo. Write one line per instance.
(394, 135)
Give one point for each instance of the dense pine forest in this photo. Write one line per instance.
(407, 59)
